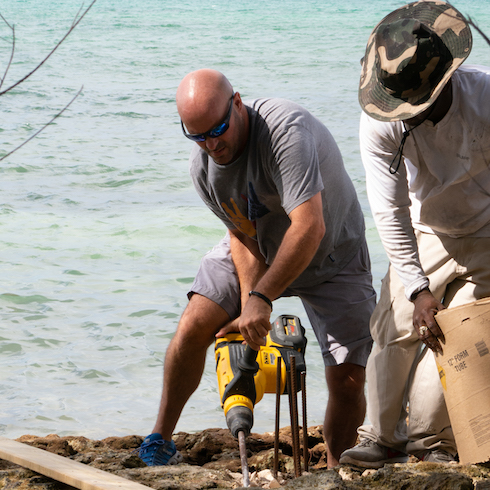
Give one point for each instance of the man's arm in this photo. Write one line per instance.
(250, 266)
(249, 262)
(390, 205)
(296, 251)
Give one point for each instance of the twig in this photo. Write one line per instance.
(5, 20)
(78, 18)
(482, 34)
(45, 126)
(470, 21)
(12, 28)
(76, 21)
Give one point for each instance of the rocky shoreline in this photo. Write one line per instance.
(211, 460)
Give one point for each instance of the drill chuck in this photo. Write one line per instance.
(239, 419)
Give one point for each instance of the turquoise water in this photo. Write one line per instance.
(101, 231)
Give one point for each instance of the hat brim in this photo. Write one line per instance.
(449, 24)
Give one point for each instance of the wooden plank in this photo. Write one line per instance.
(65, 470)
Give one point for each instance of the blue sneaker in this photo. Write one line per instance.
(155, 451)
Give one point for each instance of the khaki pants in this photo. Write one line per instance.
(401, 371)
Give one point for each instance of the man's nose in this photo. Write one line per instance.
(211, 143)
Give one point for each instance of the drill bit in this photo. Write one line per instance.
(243, 458)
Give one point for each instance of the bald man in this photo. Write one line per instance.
(275, 177)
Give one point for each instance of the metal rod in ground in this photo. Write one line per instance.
(306, 453)
(243, 458)
(291, 416)
(278, 407)
(294, 418)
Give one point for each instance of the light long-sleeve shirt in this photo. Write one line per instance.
(443, 183)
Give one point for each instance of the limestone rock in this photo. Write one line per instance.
(211, 461)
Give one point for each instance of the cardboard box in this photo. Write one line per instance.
(464, 369)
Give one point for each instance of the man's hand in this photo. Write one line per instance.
(426, 306)
(254, 322)
(228, 328)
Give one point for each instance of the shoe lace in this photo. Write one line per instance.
(149, 446)
(440, 454)
(366, 442)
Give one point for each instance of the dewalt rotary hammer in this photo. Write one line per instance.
(244, 375)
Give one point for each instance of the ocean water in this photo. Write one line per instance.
(101, 231)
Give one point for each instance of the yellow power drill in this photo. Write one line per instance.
(244, 375)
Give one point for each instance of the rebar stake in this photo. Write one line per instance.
(278, 407)
(294, 417)
(306, 453)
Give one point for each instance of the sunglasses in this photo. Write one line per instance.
(212, 133)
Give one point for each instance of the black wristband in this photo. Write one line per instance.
(261, 296)
(414, 295)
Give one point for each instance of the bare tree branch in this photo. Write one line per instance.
(11, 53)
(470, 22)
(78, 18)
(78, 13)
(5, 20)
(76, 21)
(482, 34)
(45, 126)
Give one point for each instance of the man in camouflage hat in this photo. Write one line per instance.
(425, 145)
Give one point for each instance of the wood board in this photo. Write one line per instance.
(65, 470)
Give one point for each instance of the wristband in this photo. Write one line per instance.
(262, 297)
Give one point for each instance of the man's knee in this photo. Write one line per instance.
(346, 380)
(201, 319)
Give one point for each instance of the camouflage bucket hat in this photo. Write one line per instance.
(410, 56)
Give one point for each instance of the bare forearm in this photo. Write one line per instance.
(249, 263)
(296, 252)
(297, 249)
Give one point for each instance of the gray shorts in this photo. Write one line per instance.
(339, 309)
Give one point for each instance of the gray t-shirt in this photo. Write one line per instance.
(290, 156)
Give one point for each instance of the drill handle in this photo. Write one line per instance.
(248, 362)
